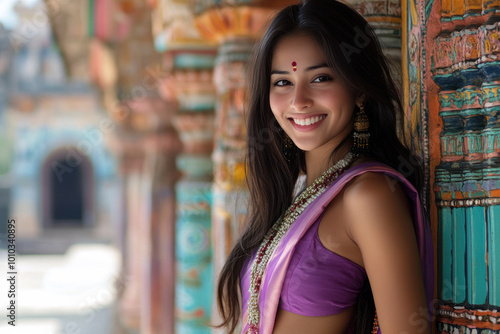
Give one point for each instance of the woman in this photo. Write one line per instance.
(351, 253)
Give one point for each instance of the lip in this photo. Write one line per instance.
(306, 128)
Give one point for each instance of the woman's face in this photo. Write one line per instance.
(310, 101)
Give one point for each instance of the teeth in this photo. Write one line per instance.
(308, 121)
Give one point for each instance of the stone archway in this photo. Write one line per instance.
(67, 187)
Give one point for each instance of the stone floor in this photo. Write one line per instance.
(72, 293)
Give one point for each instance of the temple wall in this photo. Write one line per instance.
(452, 80)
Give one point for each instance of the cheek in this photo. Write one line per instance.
(276, 104)
(339, 101)
(277, 111)
(272, 103)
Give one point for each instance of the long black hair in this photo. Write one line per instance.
(352, 50)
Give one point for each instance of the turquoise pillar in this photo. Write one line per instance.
(467, 188)
(191, 82)
(193, 291)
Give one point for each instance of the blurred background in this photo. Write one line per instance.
(107, 162)
(58, 181)
(122, 140)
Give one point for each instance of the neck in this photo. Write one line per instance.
(319, 160)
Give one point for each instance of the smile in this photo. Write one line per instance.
(308, 121)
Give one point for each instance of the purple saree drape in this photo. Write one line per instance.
(280, 259)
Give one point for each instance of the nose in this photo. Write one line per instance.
(301, 98)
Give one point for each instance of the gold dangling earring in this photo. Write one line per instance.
(361, 133)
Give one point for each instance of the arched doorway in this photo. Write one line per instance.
(67, 196)
(67, 184)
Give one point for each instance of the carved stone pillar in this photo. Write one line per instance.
(189, 60)
(131, 159)
(385, 18)
(161, 149)
(129, 93)
(467, 179)
(124, 65)
(229, 179)
(454, 80)
(149, 146)
(191, 83)
(236, 30)
(193, 245)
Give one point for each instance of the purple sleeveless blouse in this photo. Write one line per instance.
(318, 281)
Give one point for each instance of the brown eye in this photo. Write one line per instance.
(322, 78)
(282, 83)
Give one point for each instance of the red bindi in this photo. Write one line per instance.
(294, 66)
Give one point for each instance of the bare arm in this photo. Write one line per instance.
(380, 223)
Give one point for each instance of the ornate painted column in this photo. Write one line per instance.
(149, 173)
(235, 29)
(162, 149)
(194, 121)
(467, 179)
(385, 18)
(138, 81)
(116, 35)
(151, 123)
(189, 60)
(454, 78)
(132, 101)
(131, 158)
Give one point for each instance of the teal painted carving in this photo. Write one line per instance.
(494, 254)
(193, 257)
(477, 287)
(458, 256)
(445, 237)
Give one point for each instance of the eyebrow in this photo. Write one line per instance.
(310, 68)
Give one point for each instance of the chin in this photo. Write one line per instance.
(305, 148)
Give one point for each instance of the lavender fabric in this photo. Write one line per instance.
(319, 282)
(278, 265)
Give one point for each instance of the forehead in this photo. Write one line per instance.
(302, 49)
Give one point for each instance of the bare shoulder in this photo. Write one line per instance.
(375, 202)
(375, 191)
